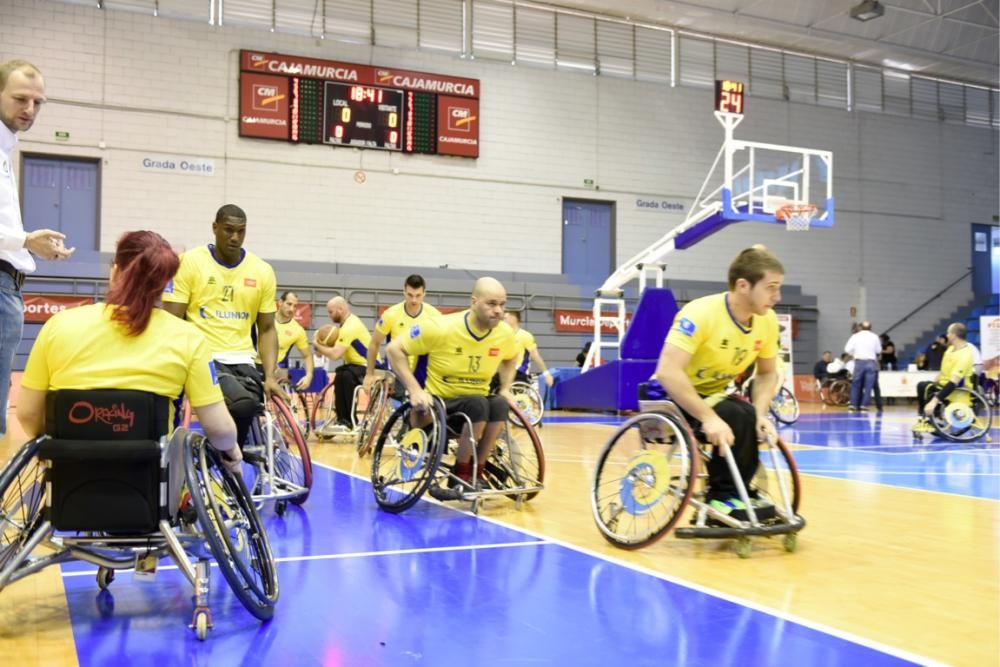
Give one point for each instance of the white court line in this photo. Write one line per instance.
(777, 613)
(355, 554)
(821, 471)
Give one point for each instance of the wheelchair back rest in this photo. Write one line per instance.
(107, 469)
(106, 414)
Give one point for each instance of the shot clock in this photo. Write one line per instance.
(729, 97)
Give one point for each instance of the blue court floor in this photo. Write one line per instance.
(438, 586)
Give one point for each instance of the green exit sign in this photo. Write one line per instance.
(62, 136)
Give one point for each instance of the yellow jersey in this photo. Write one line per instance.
(224, 301)
(289, 333)
(395, 321)
(454, 360)
(720, 347)
(354, 334)
(82, 348)
(957, 362)
(526, 343)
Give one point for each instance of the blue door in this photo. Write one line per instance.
(588, 241)
(62, 194)
(985, 258)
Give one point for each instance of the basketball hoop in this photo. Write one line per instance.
(797, 217)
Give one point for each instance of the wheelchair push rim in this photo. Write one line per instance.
(965, 416)
(406, 458)
(232, 528)
(22, 495)
(644, 479)
(517, 461)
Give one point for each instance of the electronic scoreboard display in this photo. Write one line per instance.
(365, 116)
(304, 100)
(729, 97)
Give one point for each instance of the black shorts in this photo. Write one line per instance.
(478, 409)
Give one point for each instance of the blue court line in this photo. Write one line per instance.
(438, 601)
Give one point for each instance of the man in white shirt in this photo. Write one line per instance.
(865, 347)
(22, 93)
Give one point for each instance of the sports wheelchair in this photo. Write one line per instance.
(784, 406)
(376, 412)
(835, 391)
(963, 416)
(324, 413)
(103, 486)
(655, 467)
(408, 459)
(277, 464)
(529, 400)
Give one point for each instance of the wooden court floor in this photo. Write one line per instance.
(909, 568)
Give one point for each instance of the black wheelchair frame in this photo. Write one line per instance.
(105, 497)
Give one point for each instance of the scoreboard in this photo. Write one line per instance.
(304, 100)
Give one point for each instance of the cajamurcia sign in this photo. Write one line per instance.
(310, 101)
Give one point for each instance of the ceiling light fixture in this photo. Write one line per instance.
(867, 10)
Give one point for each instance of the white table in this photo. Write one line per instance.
(903, 384)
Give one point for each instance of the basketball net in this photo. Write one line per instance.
(797, 217)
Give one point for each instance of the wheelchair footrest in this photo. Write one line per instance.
(722, 532)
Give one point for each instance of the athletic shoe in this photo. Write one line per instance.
(731, 507)
(922, 426)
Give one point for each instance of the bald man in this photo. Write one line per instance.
(458, 354)
(352, 348)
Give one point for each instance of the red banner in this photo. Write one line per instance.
(40, 307)
(582, 321)
(458, 126)
(303, 313)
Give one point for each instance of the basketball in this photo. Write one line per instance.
(327, 335)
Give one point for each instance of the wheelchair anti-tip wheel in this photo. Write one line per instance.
(406, 457)
(645, 478)
(964, 416)
(232, 528)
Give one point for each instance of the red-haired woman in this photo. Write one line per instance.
(129, 343)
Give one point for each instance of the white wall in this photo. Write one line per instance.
(906, 189)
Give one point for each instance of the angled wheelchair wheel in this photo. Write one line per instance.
(22, 492)
(298, 405)
(517, 461)
(406, 457)
(785, 407)
(645, 478)
(777, 477)
(323, 411)
(964, 416)
(232, 528)
(529, 403)
(292, 462)
(839, 392)
(374, 417)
